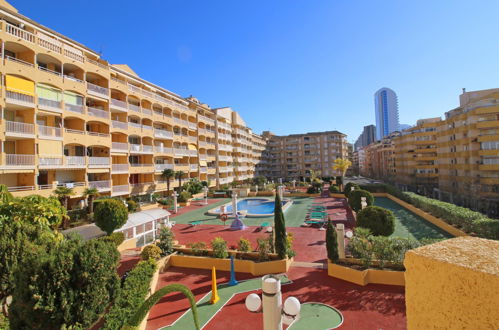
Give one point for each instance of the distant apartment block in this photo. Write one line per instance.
(367, 137)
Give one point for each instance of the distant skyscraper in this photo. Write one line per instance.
(387, 112)
(367, 137)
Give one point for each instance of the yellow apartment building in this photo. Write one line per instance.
(377, 160)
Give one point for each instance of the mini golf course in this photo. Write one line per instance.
(317, 316)
(409, 224)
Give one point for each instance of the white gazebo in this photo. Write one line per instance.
(145, 225)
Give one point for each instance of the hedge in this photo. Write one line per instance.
(348, 188)
(131, 296)
(380, 221)
(468, 220)
(355, 199)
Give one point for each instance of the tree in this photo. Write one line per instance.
(179, 175)
(168, 174)
(342, 166)
(5, 195)
(314, 175)
(355, 199)
(35, 209)
(331, 242)
(165, 243)
(279, 228)
(110, 214)
(63, 193)
(348, 188)
(380, 221)
(70, 285)
(259, 180)
(91, 193)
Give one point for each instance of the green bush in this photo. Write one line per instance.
(348, 188)
(131, 296)
(219, 247)
(355, 199)
(193, 186)
(339, 180)
(334, 189)
(115, 238)
(486, 227)
(244, 245)
(132, 205)
(198, 248)
(263, 248)
(110, 214)
(380, 221)
(184, 197)
(165, 243)
(151, 252)
(331, 242)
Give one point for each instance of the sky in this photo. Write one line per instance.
(293, 66)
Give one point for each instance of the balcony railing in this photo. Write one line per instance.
(119, 168)
(206, 120)
(146, 111)
(97, 112)
(74, 108)
(73, 131)
(49, 131)
(21, 188)
(97, 134)
(119, 146)
(52, 72)
(141, 148)
(49, 103)
(162, 167)
(98, 89)
(163, 133)
(49, 43)
(19, 128)
(193, 167)
(50, 161)
(17, 60)
(19, 33)
(121, 188)
(20, 97)
(181, 152)
(163, 150)
(119, 124)
(119, 104)
(19, 160)
(134, 107)
(146, 148)
(100, 185)
(99, 161)
(140, 165)
(75, 161)
(192, 125)
(73, 79)
(147, 127)
(136, 125)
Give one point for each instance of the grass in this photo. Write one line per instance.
(294, 215)
(409, 224)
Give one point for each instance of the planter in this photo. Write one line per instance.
(185, 204)
(366, 276)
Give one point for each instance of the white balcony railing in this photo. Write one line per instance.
(193, 126)
(119, 146)
(134, 107)
(141, 148)
(206, 120)
(18, 60)
(146, 148)
(75, 161)
(119, 124)
(163, 150)
(49, 131)
(162, 167)
(204, 170)
(99, 161)
(19, 160)
(50, 161)
(20, 97)
(74, 108)
(136, 125)
(122, 105)
(119, 168)
(160, 133)
(98, 89)
(181, 152)
(147, 127)
(19, 33)
(19, 128)
(100, 185)
(146, 111)
(121, 188)
(97, 112)
(97, 134)
(193, 167)
(49, 103)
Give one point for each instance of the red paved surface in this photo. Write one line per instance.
(194, 206)
(369, 307)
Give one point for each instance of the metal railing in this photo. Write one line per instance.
(99, 161)
(97, 134)
(19, 128)
(49, 131)
(21, 188)
(97, 112)
(55, 73)
(124, 188)
(49, 103)
(74, 161)
(20, 97)
(163, 150)
(50, 161)
(119, 146)
(17, 60)
(136, 125)
(119, 124)
(97, 89)
(19, 160)
(74, 108)
(147, 127)
(120, 104)
(193, 167)
(147, 148)
(147, 111)
(119, 168)
(163, 133)
(100, 185)
(161, 167)
(73, 131)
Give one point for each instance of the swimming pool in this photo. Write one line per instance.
(255, 207)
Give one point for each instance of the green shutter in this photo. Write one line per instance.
(72, 98)
(48, 93)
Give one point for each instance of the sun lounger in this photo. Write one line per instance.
(195, 223)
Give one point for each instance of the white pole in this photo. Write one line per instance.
(272, 303)
(234, 203)
(175, 204)
(205, 189)
(340, 234)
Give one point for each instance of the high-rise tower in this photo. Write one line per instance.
(387, 113)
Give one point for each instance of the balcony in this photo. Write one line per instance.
(50, 105)
(147, 127)
(119, 147)
(75, 161)
(192, 126)
(97, 113)
(147, 112)
(96, 162)
(163, 150)
(162, 167)
(206, 120)
(20, 99)
(142, 149)
(120, 190)
(97, 90)
(141, 168)
(49, 132)
(17, 160)
(134, 107)
(160, 133)
(18, 129)
(119, 105)
(55, 161)
(19, 33)
(193, 167)
(488, 123)
(75, 108)
(142, 187)
(119, 124)
(100, 185)
(203, 170)
(181, 152)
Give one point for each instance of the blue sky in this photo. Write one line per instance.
(294, 66)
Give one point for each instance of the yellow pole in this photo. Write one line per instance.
(214, 293)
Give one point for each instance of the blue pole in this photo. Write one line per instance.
(233, 280)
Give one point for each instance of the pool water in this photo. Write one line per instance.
(409, 224)
(253, 206)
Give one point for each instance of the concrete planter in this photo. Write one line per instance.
(364, 277)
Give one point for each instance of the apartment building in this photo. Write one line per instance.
(377, 160)
(294, 156)
(416, 157)
(68, 117)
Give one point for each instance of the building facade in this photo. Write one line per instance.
(386, 112)
(377, 160)
(294, 156)
(367, 137)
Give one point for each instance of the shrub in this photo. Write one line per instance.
(290, 253)
(132, 205)
(198, 248)
(184, 197)
(348, 188)
(334, 189)
(355, 199)
(151, 251)
(131, 296)
(193, 186)
(244, 245)
(279, 229)
(331, 242)
(164, 201)
(339, 180)
(110, 214)
(485, 227)
(219, 247)
(378, 220)
(263, 248)
(361, 247)
(115, 238)
(165, 243)
(311, 190)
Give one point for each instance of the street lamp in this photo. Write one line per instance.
(205, 190)
(274, 313)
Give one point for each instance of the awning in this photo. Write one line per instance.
(19, 85)
(192, 147)
(139, 218)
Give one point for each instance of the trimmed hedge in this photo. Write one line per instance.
(348, 188)
(334, 189)
(151, 252)
(355, 199)
(468, 220)
(131, 296)
(378, 220)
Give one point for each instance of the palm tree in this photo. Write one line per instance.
(90, 194)
(63, 193)
(168, 174)
(179, 175)
(341, 165)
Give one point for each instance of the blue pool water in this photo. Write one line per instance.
(253, 206)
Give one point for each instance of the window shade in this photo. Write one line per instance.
(19, 85)
(48, 93)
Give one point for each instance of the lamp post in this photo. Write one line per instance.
(205, 190)
(363, 202)
(294, 183)
(274, 313)
(175, 203)
(234, 203)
